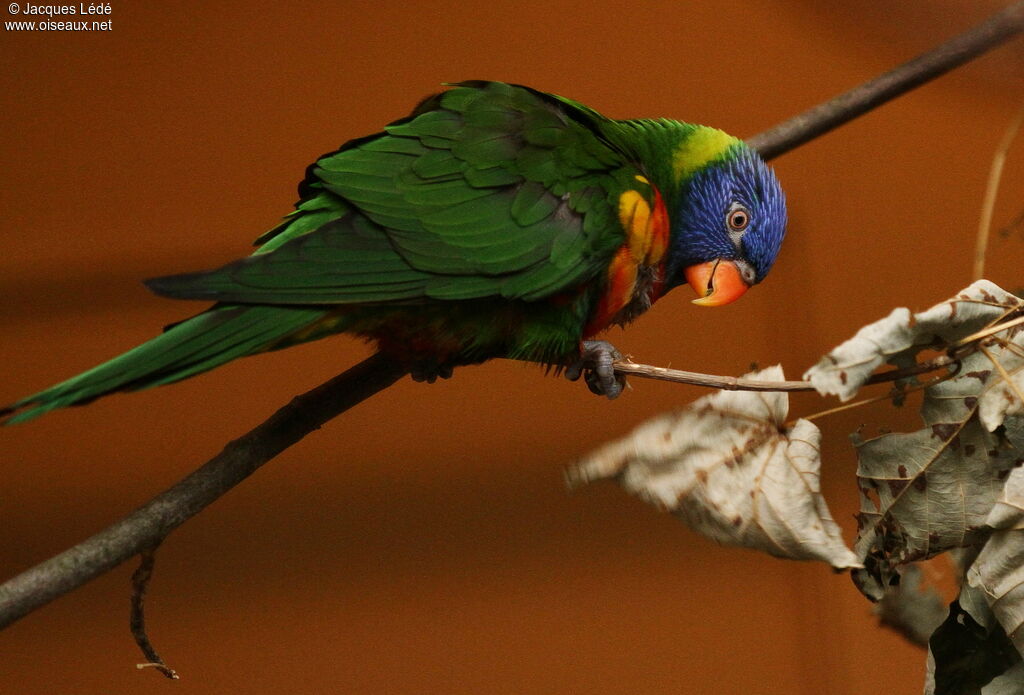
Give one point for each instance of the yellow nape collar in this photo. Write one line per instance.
(702, 146)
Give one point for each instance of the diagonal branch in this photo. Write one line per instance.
(833, 113)
(150, 523)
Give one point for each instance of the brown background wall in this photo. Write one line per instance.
(423, 543)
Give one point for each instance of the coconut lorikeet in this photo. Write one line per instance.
(494, 221)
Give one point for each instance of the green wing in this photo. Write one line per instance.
(487, 190)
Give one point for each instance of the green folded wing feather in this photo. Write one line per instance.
(487, 190)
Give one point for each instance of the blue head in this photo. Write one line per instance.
(729, 227)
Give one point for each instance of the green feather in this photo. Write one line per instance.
(459, 221)
(533, 203)
(187, 348)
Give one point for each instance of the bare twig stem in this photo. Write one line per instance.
(240, 458)
(140, 584)
(1003, 373)
(847, 406)
(819, 120)
(733, 383)
(988, 205)
(987, 331)
(726, 383)
(885, 397)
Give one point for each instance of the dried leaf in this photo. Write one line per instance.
(727, 466)
(967, 652)
(1010, 683)
(900, 336)
(1003, 379)
(910, 609)
(925, 492)
(998, 571)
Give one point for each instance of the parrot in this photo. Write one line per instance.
(495, 221)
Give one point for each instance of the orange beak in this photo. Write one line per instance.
(716, 282)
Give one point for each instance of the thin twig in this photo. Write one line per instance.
(732, 383)
(1003, 373)
(725, 383)
(140, 583)
(847, 406)
(1012, 347)
(988, 205)
(158, 517)
(986, 332)
(886, 397)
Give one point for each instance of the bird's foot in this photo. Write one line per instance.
(596, 366)
(430, 372)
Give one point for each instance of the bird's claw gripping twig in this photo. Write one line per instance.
(430, 372)
(597, 366)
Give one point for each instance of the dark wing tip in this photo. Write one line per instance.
(183, 286)
(16, 412)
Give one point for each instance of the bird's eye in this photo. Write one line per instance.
(738, 219)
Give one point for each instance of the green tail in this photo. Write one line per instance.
(195, 345)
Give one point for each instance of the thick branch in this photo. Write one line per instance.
(153, 521)
(147, 525)
(859, 100)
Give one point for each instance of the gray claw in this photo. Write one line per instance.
(596, 361)
(430, 372)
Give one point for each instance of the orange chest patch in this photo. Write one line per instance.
(646, 229)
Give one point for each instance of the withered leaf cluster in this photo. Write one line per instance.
(732, 467)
